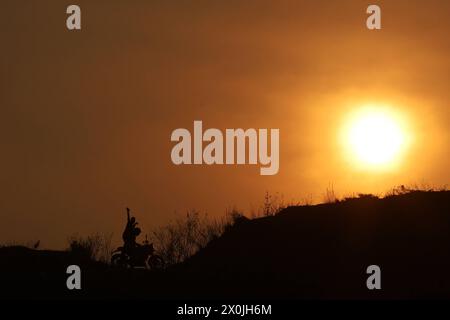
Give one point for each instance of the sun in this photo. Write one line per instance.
(375, 137)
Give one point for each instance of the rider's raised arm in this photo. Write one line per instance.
(128, 214)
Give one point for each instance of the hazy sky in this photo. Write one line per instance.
(87, 115)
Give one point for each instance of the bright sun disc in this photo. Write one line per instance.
(375, 138)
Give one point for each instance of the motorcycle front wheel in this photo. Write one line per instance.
(120, 260)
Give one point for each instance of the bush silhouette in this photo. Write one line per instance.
(94, 247)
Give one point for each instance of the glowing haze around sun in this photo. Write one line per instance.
(375, 137)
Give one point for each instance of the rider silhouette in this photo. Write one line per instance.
(133, 254)
(130, 233)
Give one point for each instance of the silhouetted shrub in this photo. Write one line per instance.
(272, 205)
(181, 239)
(95, 247)
(329, 195)
(367, 196)
(423, 187)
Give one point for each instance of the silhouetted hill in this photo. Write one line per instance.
(308, 252)
(324, 250)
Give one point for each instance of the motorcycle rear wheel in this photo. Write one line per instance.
(155, 262)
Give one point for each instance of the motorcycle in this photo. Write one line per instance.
(141, 256)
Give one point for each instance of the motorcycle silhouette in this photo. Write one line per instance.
(142, 256)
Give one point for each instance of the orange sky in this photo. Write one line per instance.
(87, 116)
